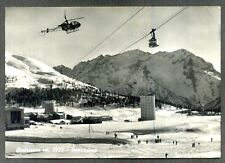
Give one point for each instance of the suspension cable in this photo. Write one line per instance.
(155, 28)
(114, 31)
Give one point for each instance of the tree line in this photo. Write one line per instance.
(93, 97)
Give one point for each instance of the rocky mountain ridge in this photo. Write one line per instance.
(178, 77)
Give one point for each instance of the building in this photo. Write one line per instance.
(147, 104)
(76, 120)
(14, 118)
(59, 115)
(44, 117)
(26, 122)
(49, 106)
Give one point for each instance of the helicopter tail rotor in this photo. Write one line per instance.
(42, 33)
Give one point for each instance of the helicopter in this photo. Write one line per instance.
(68, 25)
(153, 41)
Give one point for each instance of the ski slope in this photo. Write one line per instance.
(169, 126)
(26, 72)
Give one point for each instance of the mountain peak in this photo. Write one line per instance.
(182, 51)
(135, 51)
(174, 76)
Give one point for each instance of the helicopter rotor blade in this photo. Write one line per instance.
(65, 15)
(76, 18)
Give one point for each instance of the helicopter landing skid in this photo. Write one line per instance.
(71, 31)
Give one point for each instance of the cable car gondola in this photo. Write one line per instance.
(153, 41)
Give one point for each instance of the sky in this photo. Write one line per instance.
(197, 29)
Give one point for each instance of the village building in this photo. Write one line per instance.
(49, 106)
(76, 120)
(59, 115)
(26, 122)
(14, 118)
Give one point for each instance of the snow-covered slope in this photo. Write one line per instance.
(169, 126)
(27, 72)
(179, 77)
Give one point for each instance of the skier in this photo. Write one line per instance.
(166, 155)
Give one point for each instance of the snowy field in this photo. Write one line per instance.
(75, 141)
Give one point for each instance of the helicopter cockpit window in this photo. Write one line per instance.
(73, 23)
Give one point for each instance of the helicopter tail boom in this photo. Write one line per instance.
(50, 30)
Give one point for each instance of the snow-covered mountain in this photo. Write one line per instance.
(26, 72)
(178, 77)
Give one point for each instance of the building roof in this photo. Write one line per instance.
(13, 108)
(50, 101)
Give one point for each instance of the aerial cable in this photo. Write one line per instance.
(155, 29)
(135, 42)
(171, 18)
(114, 31)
